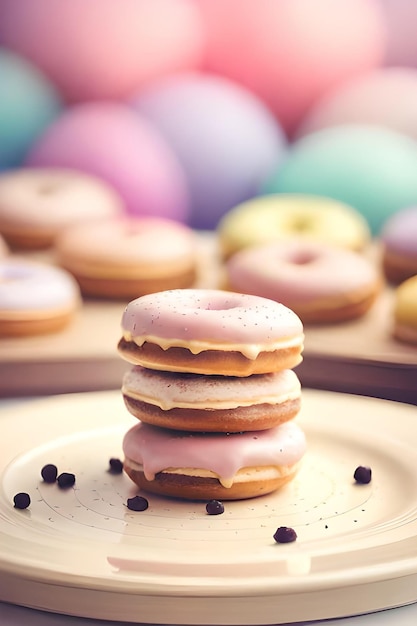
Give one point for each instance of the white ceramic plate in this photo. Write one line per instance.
(82, 552)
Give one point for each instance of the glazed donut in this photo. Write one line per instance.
(271, 218)
(4, 249)
(128, 257)
(37, 204)
(210, 331)
(35, 298)
(213, 466)
(399, 245)
(320, 283)
(405, 311)
(193, 402)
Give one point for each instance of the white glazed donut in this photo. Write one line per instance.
(194, 402)
(38, 203)
(320, 283)
(127, 257)
(35, 298)
(210, 331)
(277, 217)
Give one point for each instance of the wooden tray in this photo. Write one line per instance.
(357, 357)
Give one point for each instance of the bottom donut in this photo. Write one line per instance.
(205, 466)
(249, 482)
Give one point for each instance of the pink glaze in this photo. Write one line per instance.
(233, 321)
(399, 233)
(158, 449)
(168, 390)
(299, 271)
(149, 241)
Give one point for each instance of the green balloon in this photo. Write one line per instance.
(372, 168)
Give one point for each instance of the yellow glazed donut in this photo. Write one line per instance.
(319, 282)
(35, 298)
(275, 217)
(128, 257)
(36, 204)
(405, 311)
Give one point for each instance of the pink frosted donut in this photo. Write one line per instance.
(210, 331)
(217, 465)
(37, 204)
(194, 402)
(35, 298)
(128, 257)
(399, 245)
(319, 282)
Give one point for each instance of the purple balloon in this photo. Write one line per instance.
(110, 141)
(225, 137)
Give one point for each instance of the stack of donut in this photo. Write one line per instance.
(213, 388)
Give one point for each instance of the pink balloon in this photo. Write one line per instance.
(401, 20)
(386, 97)
(114, 143)
(103, 48)
(290, 52)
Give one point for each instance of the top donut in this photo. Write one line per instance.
(210, 331)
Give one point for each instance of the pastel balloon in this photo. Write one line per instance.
(103, 48)
(401, 20)
(290, 52)
(386, 97)
(112, 142)
(371, 168)
(28, 103)
(226, 139)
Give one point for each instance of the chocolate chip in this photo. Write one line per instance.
(284, 534)
(49, 473)
(116, 466)
(137, 503)
(362, 475)
(21, 500)
(214, 507)
(66, 480)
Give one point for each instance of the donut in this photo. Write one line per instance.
(275, 217)
(405, 311)
(4, 248)
(210, 331)
(127, 257)
(36, 204)
(194, 402)
(205, 466)
(320, 283)
(35, 298)
(399, 245)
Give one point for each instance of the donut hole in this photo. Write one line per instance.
(302, 257)
(48, 189)
(301, 224)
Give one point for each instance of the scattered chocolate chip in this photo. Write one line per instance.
(49, 473)
(21, 500)
(284, 534)
(214, 507)
(66, 480)
(137, 503)
(116, 466)
(363, 475)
